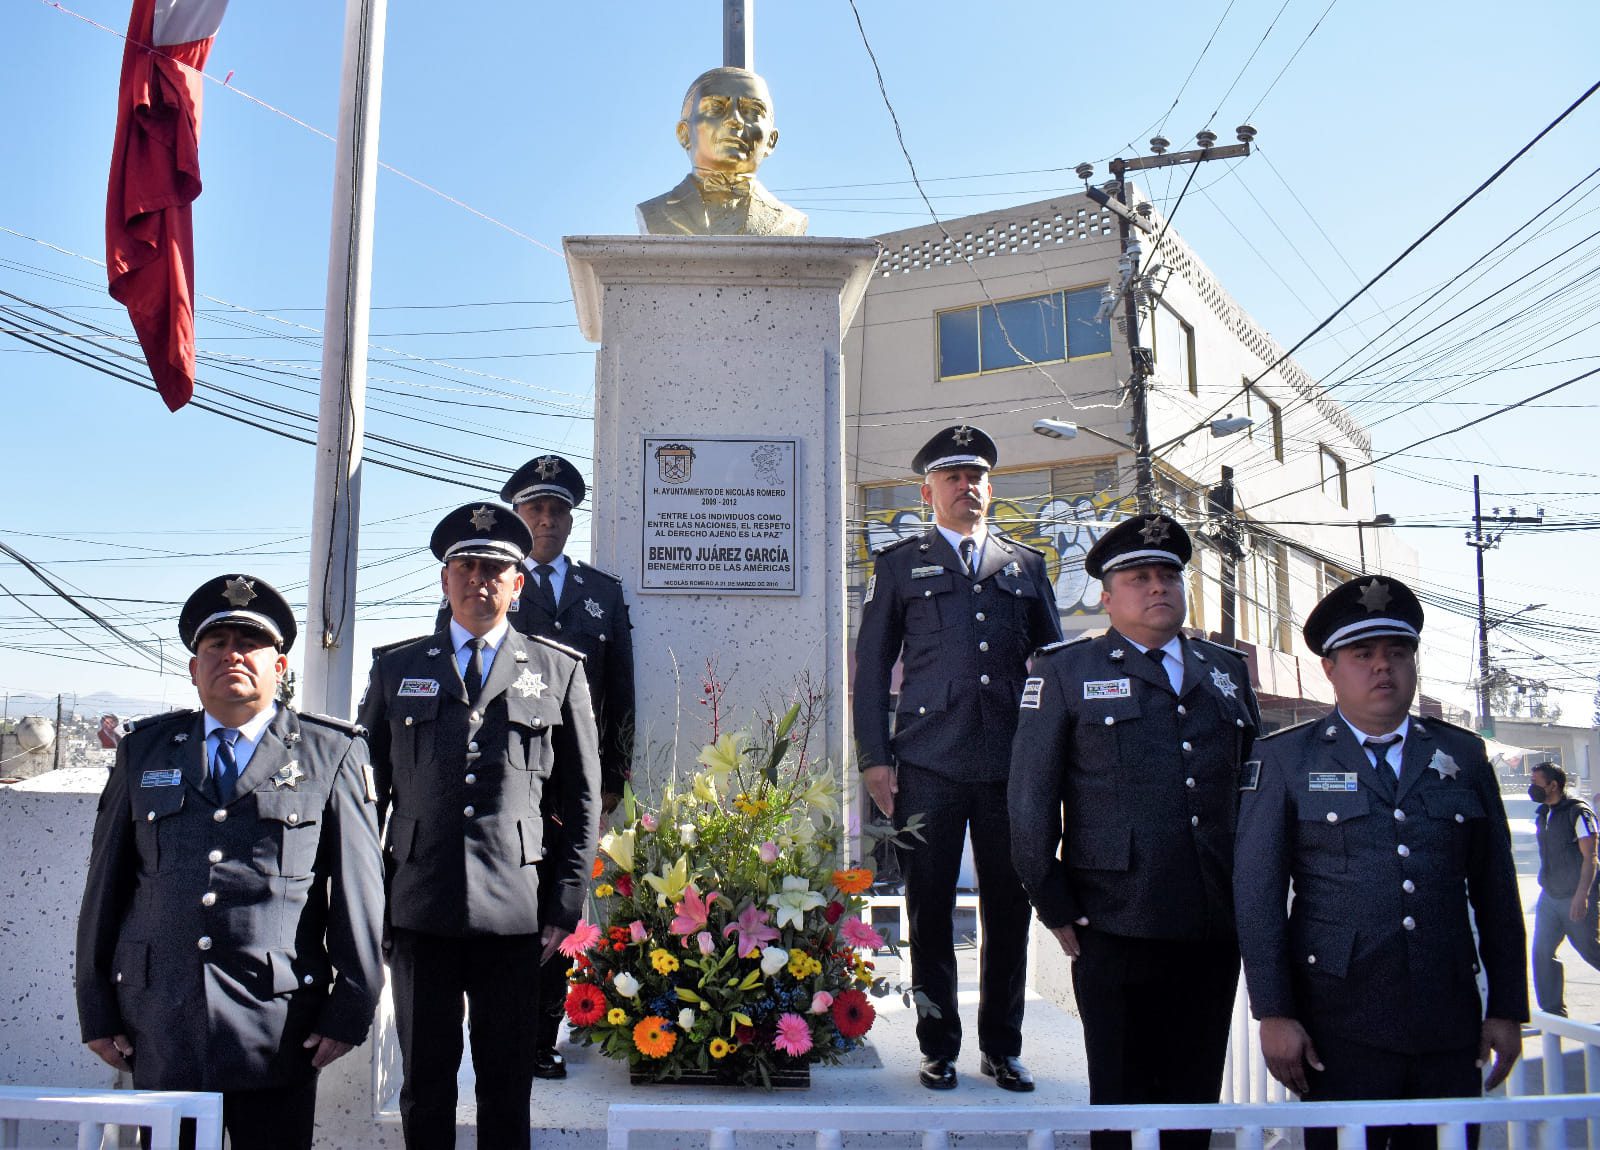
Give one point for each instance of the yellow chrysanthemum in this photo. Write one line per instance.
(663, 961)
(802, 965)
(719, 1048)
(604, 890)
(616, 1016)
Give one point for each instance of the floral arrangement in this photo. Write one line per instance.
(728, 939)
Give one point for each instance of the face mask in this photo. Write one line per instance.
(1536, 792)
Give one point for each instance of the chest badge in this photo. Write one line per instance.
(594, 608)
(1108, 689)
(576, 578)
(181, 737)
(529, 684)
(1116, 656)
(288, 775)
(1224, 683)
(1013, 569)
(433, 652)
(1444, 764)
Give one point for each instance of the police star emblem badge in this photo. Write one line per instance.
(239, 591)
(1013, 569)
(1375, 596)
(1444, 764)
(546, 466)
(1224, 683)
(962, 435)
(1117, 655)
(482, 519)
(433, 652)
(181, 737)
(288, 775)
(594, 608)
(529, 684)
(1154, 531)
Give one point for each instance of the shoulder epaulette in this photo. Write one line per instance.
(612, 575)
(1060, 645)
(1015, 542)
(562, 647)
(1212, 643)
(885, 548)
(1447, 725)
(343, 726)
(133, 725)
(385, 648)
(1286, 730)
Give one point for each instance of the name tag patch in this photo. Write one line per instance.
(926, 572)
(417, 688)
(1250, 775)
(1031, 690)
(161, 779)
(1107, 689)
(1331, 781)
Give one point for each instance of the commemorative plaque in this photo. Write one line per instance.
(719, 515)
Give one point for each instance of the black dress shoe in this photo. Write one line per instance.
(547, 1063)
(1007, 1071)
(938, 1073)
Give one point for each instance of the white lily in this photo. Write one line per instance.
(625, 984)
(792, 902)
(773, 959)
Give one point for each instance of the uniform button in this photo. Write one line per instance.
(922, 710)
(558, 625)
(214, 856)
(220, 815)
(1311, 960)
(471, 779)
(1187, 746)
(472, 717)
(1409, 923)
(293, 818)
(1333, 816)
(1399, 816)
(984, 679)
(1403, 851)
(118, 977)
(1194, 820)
(1110, 720)
(1460, 818)
(983, 646)
(1189, 783)
(537, 723)
(409, 720)
(308, 980)
(927, 594)
(1409, 887)
(979, 616)
(470, 811)
(204, 942)
(976, 587)
(1239, 723)
(1182, 710)
(209, 898)
(1017, 590)
(149, 816)
(472, 746)
(603, 638)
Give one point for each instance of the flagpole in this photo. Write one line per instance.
(336, 501)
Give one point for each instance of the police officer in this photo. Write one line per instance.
(228, 939)
(960, 606)
(564, 598)
(476, 730)
(1569, 888)
(1124, 776)
(1388, 827)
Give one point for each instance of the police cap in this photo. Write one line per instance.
(1142, 539)
(1366, 608)
(961, 446)
(237, 601)
(546, 475)
(481, 531)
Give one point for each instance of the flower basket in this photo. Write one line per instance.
(728, 944)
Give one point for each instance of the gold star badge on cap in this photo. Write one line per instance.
(1154, 531)
(962, 435)
(482, 519)
(546, 466)
(1375, 596)
(239, 591)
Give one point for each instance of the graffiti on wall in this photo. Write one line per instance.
(1063, 527)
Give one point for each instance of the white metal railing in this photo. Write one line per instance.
(1545, 1115)
(94, 1110)
(1553, 1029)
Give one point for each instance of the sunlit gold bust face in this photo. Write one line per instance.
(727, 123)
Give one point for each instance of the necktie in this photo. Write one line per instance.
(547, 588)
(1379, 749)
(1158, 656)
(474, 675)
(225, 767)
(968, 548)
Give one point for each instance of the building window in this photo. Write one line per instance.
(1283, 606)
(1268, 418)
(1333, 577)
(1174, 347)
(1045, 328)
(1333, 477)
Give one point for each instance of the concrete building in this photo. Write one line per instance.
(992, 318)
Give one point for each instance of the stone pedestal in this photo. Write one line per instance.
(720, 337)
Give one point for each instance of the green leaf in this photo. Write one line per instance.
(786, 724)
(687, 995)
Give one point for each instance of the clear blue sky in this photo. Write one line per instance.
(557, 119)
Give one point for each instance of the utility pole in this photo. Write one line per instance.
(58, 734)
(1225, 537)
(1136, 294)
(1481, 542)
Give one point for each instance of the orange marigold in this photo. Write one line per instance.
(852, 881)
(599, 867)
(654, 1036)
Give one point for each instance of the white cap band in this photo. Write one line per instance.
(539, 489)
(945, 462)
(249, 618)
(1368, 629)
(483, 549)
(1129, 558)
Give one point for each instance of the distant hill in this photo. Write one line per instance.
(91, 706)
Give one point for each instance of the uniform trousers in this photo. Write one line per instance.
(948, 807)
(1356, 1071)
(553, 974)
(498, 977)
(1551, 924)
(279, 1118)
(1156, 1015)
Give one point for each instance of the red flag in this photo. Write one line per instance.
(155, 177)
